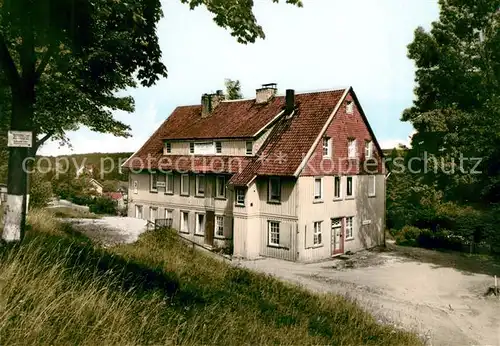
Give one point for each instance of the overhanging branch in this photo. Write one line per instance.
(42, 140)
(45, 60)
(7, 64)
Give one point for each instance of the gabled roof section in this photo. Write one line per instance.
(292, 137)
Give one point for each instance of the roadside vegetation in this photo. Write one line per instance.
(56, 287)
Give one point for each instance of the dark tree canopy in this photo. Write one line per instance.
(233, 89)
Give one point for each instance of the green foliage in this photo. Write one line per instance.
(457, 107)
(158, 292)
(103, 205)
(40, 191)
(233, 89)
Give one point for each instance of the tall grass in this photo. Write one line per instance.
(57, 289)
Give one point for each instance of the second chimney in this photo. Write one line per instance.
(209, 102)
(266, 92)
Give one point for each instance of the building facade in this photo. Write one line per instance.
(298, 177)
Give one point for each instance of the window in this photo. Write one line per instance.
(218, 147)
(168, 147)
(153, 214)
(138, 211)
(219, 226)
(220, 186)
(371, 185)
(249, 148)
(349, 234)
(153, 178)
(350, 187)
(169, 183)
(191, 148)
(169, 214)
(240, 196)
(327, 147)
(200, 185)
(352, 148)
(349, 107)
(274, 189)
(317, 233)
(318, 189)
(135, 185)
(200, 224)
(274, 232)
(337, 187)
(184, 222)
(185, 184)
(368, 149)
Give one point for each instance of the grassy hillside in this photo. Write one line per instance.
(56, 288)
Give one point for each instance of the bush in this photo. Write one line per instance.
(407, 236)
(103, 205)
(40, 191)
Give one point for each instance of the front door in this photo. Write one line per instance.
(337, 237)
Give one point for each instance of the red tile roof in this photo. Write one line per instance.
(281, 154)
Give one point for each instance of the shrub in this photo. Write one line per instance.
(103, 205)
(40, 191)
(407, 236)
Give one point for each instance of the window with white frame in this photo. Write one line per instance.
(337, 187)
(169, 182)
(204, 148)
(153, 179)
(220, 186)
(349, 187)
(200, 223)
(219, 226)
(351, 148)
(349, 227)
(168, 147)
(185, 184)
(240, 196)
(169, 214)
(184, 222)
(327, 147)
(274, 189)
(274, 232)
(349, 109)
(218, 147)
(153, 214)
(368, 149)
(138, 211)
(249, 148)
(200, 185)
(135, 186)
(317, 233)
(371, 185)
(318, 189)
(191, 148)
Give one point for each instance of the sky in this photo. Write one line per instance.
(324, 45)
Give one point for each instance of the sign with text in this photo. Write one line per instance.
(20, 139)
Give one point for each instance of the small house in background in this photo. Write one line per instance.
(3, 194)
(120, 199)
(95, 186)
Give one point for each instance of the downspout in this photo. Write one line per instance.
(297, 214)
(385, 207)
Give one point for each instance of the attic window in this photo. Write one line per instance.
(218, 147)
(249, 147)
(191, 148)
(168, 147)
(349, 107)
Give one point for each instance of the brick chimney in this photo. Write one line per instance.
(266, 92)
(210, 101)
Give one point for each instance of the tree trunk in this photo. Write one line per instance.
(15, 210)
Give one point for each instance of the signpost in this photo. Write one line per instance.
(20, 139)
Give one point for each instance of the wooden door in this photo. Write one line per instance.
(337, 235)
(209, 227)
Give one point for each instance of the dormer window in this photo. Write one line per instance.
(191, 148)
(168, 147)
(218, 147)
(249, 147)
(349, 107)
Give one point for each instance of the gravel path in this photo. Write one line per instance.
(110, 230)
(444, 306)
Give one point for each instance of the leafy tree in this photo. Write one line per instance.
(63, 61)
(40, 191)
(233, 89)
(457, 108)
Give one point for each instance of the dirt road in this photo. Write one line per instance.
(445, 306)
